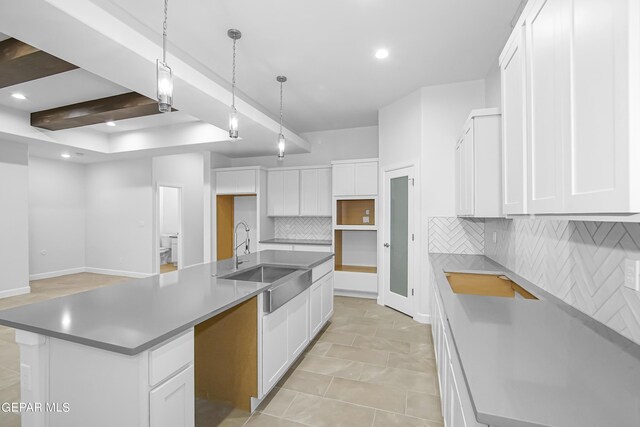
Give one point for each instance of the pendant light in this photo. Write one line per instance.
(233, 114)
(164, 75)
(281, 79)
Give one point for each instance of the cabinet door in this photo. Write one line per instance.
(514, 128)
(172, 403)
(459, 178)
(291, 191)
(344, 180)
(469, 182)
(315, 309)
(245, 181)
(309, 192)
(297, 324)
(275, 193)
(327, 298)
(324, 192)
(597, 154)
(367, 179)
(225, 182)
(548, 66)
(275, 350)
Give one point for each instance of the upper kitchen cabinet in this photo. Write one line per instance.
(514, 125)
(570, 81)
(236, 180)
(315, 192)
(283, 194)
(478, 166)
(355, 177)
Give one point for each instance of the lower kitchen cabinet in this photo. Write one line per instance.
(327, 298)
(457, 408)
(298, 324)
(171, 403)
(275, 351)
(321, 304)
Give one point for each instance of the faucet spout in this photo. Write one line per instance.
(236, 260)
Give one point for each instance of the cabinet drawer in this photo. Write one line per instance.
(321, 270)
(170, 358)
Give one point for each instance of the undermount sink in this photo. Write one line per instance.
(263, 273)
(486, 285)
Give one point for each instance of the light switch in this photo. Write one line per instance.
(366, 211)
(632, 274)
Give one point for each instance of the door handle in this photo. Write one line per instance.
(386, 245)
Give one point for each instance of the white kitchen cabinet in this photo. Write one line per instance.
(283, 193)
(298, 325)
(478, 166)
(327, 297)
(315, 192)
(580, 100)
(315, 309)
(238, 181)
(171, 404)
(514, 129)
(275, 351)
(355, 178)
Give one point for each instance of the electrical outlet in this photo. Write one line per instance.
(632, 274)
(365, 220)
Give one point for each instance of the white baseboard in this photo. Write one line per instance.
(422, 318)
(50, 274)
(356, 294)
(14, 292)
(106, 271)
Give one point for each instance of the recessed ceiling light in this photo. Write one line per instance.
(65, 155)
(18, 96)
(382, 53)
(111, 123)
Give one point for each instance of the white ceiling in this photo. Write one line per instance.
(326, 48)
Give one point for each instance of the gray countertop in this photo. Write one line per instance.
(538, 363)
(297, 242)
(134, 316)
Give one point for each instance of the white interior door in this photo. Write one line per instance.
(398, 240)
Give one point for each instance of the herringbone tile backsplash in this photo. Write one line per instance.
(317, 228)
(456, 235)
(580, 262)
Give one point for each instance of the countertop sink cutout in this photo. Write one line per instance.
(486, 285)
(263, 273)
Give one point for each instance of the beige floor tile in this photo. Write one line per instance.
(9, 356)
(370, 321)
(374, 357)
(319, 348)
(423, 405)
(10, 394)
(8, 335)
(389, 419)
(424, 350)
(316, 411)
(258, 419)
(220, 414)
(400, 378)
(418, 334)
(277, 401)
(348, 311)
(353, 328)
(9, 377)
(337, 338)
(376, 343)
(307, 382)
(9, 420)
(331, 366)
(406, 323)
(412, 362)
(371, 395)
(381, 312)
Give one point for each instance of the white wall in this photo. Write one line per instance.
(14, 214)
(56, 217)
(119, 217)
(341, 144)
(245, 209)
(169, 202)
(186, 171)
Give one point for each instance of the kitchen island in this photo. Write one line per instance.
(138, 353)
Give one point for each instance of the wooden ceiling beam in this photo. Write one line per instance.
(20, 62)
(112, 108)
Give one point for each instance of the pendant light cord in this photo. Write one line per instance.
(281, 108)
(164, 33)
(233, 77)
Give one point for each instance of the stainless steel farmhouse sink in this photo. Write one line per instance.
(261, 273)
(286, 283)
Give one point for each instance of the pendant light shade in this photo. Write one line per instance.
(281, 140)
(233, 113)
(164, 76)
(165, 87)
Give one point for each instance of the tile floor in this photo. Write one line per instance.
(371, 366)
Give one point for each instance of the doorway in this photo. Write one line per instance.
(169, 243)
(398, 239)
